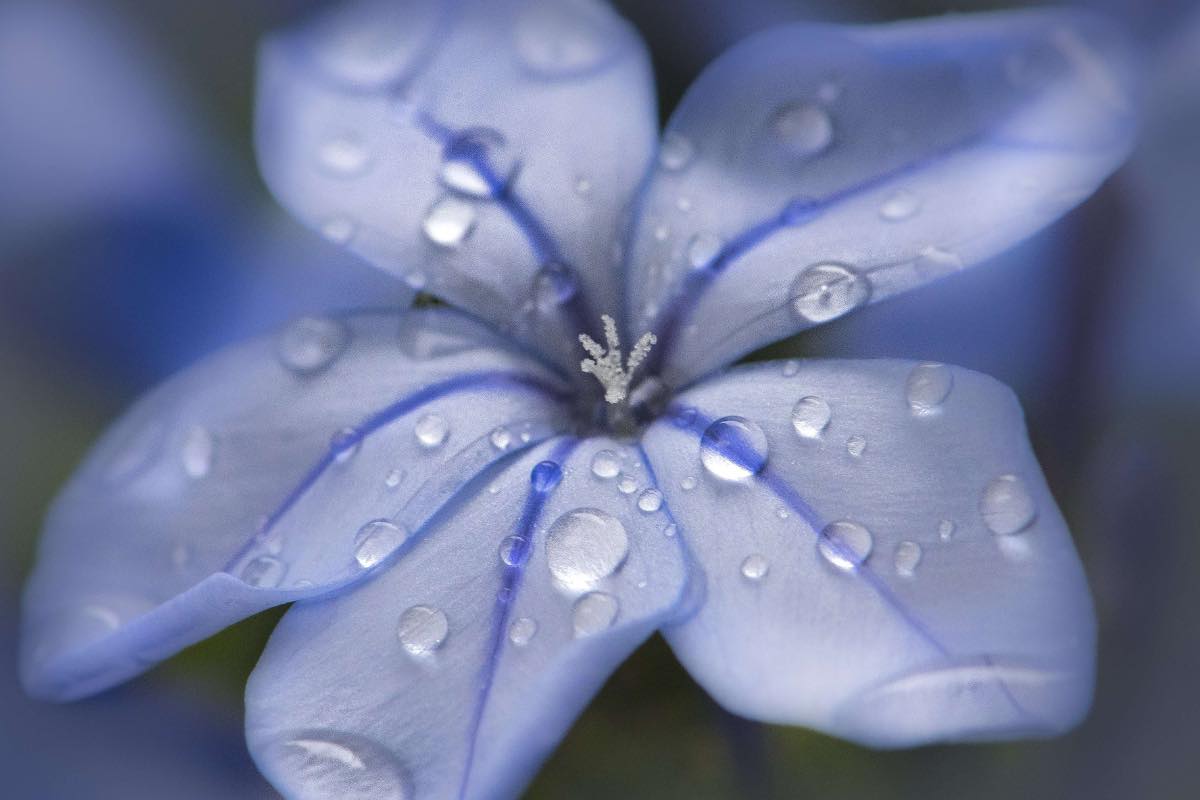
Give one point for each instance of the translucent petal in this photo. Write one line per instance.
(455, 671)
(884, 560)
(483, 150)
(814, 169)
(278, 469)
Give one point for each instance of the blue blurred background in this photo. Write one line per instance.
(135, 236)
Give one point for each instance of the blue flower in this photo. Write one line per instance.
(475, 531)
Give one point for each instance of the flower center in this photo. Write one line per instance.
(605, 365)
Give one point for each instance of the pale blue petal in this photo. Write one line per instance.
(484, 150)
(814, 169)
(352, 699)
(969, 618)
(251, 479)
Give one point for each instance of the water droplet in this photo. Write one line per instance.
(899, 206)
(324, 764)
(553, 285)
(782, 513)
(514, 551)
(928, 387)
(501, 438)
(339, 230)
(310, 344)
(522, 630)
(394, 478)
(584, 546)
(844, 544)
(675, 153)
(606, 464)
(431, 430)
(934, 262)
(376, 540)
(688, 483)
(791, 368)
(856, 445)
(810, 417)
(197, 453)
(478, 163)
(703, 249)
(559, 40)
(755, 567)
(733, 448)
(650, 501)
(908, 555)
(627, 485)
(1006, 505)
(670, 530)
(264, 572)
(422, 629)
(822, 292)
(594, 613)
(449, 221)
(345, 444)
(946, 530)
(802, 129)
(583, 186)
(344, 157)
(545, 476)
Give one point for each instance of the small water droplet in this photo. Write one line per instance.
(449, 221)
(670, 530)
(339, 230)
(627, 485)
(514, 551)
(908, 555)
(782, 513)
(394, 478)
(344, 157)
(675, 153)
(583, 187)
(310, 344)
(802, 129)
(845, 545)
(325, 764)
(928, 387)
(899, 206)
(594, 613)
(733, 448)
(478, 163)
(946, 530)
(1006, 505)
(345, 444)
(431, 430)
(688, 483)
(703, 249)
(264, 572)
(755, 567)
(606, 464)
(197, 453)
(822, 292)
(810, 417)
(553, 285)
(376, 540)
(522, 630)
(856, 445)
(545, 476)
(934, 262)
(650, 501)
(585, 546)
(501, 438)
(422, 629)
(791, 368)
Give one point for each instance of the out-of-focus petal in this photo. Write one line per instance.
(884, 561)
(815, 169)
(455, 671)
(484, 150)
(278, 469)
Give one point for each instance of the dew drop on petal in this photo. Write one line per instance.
(845, 545)
(501, 438)
(934, 262)
(825, 291)
(899, 206)
(545, 476)
(906, 558)
(514, 551)
(339, 230)
(344, 157)
(733, 448)
(675, 153)
(310, 344)
(594, 612)
(627, 485)
(431, 430)
(478, 163)
(703, 249)
(791, 368)
(802, 129)
(376, 540)
(264, 572)
(928, 387)
(345, 444)
(606, 464)
(856, 445)
(327, 764)
(197, 453)
(394, 478)
(422, 629)
(585, 546)
(522, 630)
(1006, 505)
(688, 483)
(946, 530)
(810, 417)
(670, 530)
(755, 567)
(553, 285)
(449, 221)
(650, 501)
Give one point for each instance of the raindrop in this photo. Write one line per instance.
(688, 483)
(522, 631)
(449, 221)
(545, 476)
(606, 464)
(310, 344)
(946, 530)
(650, 501)
(584, 546)
(477, 162)
(514, 551)
(928, 386)
(264, 572)
(501, 438)
(791, 368)
(844, 544)
(899, 206)
(675, 153)
(802, 129)
(703, 249)
(670, 530)
(344, 157)
(345, 444)
(733, 448)
(376, 540)
(755, 567)
(339, 230)
(810, 417)
(422, 629)
(627, 485)
(856, 445)
(594, 613)
(1006, 505)
(197, 453)
(825, 291)
(431, 430)
(553, 285)
(394, 478)
(908, 555)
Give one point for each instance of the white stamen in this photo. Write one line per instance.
(606, 366)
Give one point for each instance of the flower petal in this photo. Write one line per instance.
(275, 470)
(884, 560)
(484, 150)
(814, 169)
(455, 671)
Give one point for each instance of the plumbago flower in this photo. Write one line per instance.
(476, 530)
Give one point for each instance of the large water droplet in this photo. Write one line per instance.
(196, 455)
(376, 540)
(449, 221)
(558, 39)
(478, 163)
(545, 476)
(431, 430)
(606, 464)
(755, 567)
(845, 544)
(733, 448)
(810, 417)
(594, 613)
(928, 387)
(802, 129)
(522, 630)
(907, 556)
(264, 572)
(899, 206)
(422, 629)
(585, 546)
(344, 157)
(553, 285)
(310, 344)
(514, 551)
(1006, 505)
(650, 501)
(822, 292)
(676, 152)
(703, 249)
(322, 765)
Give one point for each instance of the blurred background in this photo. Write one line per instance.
(136, 236)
